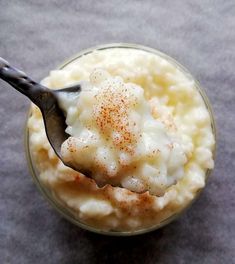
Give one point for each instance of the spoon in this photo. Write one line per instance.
(47, 101)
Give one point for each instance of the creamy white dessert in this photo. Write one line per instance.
(115, 136)
(158, 140)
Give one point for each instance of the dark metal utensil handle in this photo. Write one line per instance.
(22, 83)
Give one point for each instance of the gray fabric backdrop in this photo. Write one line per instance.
(38, 35)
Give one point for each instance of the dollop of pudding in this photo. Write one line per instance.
(116, 135)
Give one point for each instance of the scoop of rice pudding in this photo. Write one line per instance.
(139, 123)
(115, 136)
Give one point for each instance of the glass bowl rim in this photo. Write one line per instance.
(64, 211)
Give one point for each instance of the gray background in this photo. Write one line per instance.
(38, 35)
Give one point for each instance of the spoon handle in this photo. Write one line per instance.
(22, 83)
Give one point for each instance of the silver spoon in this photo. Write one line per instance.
(47, 101)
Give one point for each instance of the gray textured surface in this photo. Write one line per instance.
(38, 35)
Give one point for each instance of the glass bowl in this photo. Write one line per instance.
(59, 205)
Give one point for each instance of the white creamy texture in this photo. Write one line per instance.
(173, 99)
(115, 136)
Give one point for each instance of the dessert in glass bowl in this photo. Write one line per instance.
(143, 129)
